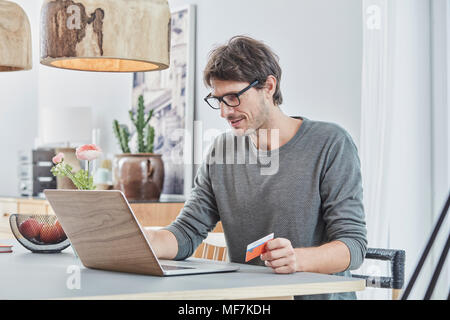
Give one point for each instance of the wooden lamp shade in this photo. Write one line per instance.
(15, 38)
(106, 35)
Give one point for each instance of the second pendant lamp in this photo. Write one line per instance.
(106, 35)
(15, 38)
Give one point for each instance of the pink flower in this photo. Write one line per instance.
(58, 158)
(88, 152)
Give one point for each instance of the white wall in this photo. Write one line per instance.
(18, 111)
(320, 48)
(319, 45)
(109, 95)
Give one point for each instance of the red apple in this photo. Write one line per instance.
(40, 228)
(62, 234)
(30, 228)
(50, 234)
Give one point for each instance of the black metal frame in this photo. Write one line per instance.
(425, 254)
(397, 259)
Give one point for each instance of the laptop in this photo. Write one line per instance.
(106, 235)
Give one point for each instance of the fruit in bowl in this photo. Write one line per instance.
(52, 233)
(39, 233)
(30, 228)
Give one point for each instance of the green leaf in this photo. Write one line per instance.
(80, 179)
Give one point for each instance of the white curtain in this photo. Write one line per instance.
(376, 103)
(395, 148)
(440, 26)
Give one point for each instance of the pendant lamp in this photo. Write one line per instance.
(106, 35)
(15, 38)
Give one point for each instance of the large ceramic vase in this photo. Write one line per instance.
(140, 176)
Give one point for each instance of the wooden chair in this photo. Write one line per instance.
(214, 247)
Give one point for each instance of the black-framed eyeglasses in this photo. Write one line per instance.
(230, 99)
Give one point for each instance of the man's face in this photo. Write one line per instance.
(250, 115)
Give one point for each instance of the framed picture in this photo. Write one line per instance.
(170, 94)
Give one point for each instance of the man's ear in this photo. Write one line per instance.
(270, 87)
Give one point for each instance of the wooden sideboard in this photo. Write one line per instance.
(148, 214)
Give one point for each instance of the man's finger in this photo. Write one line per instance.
(276, 254)
(277, 243)
(285, 269)
(278, 262)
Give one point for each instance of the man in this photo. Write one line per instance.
(311, 201)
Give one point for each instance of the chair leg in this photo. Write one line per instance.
(396, 293)
(224, 255)
(205, 251)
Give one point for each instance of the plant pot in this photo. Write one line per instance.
(140, 176)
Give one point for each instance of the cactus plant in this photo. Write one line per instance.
(150, 139)
(145, 132)
(122, 135)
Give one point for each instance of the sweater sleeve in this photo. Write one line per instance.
(341, 193)
(198, 216)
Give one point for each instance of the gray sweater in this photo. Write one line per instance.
(309, 191)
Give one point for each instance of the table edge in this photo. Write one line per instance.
(259, 292)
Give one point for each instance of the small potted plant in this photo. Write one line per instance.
(140, 175)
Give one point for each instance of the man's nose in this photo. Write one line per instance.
(225, 110)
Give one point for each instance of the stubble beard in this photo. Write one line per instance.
(257, 123)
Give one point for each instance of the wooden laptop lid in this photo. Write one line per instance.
(104, 231)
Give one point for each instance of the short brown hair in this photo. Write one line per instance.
(244, 59)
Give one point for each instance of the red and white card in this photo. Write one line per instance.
(255, 249)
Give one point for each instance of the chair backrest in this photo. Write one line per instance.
(396, 280)
(215, 247)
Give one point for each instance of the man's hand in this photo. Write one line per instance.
(164, 243)
(328, 258)
(280, 256)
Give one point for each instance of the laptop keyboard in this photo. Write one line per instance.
(166, 267)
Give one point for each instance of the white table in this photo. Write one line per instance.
(26, 275)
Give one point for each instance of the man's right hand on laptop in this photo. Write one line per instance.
(163, 242)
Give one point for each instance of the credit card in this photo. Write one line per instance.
(255, 249)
